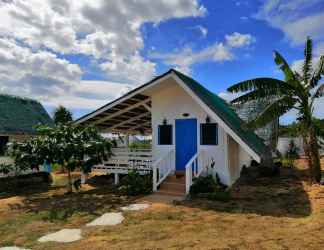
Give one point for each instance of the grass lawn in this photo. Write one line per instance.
(279, 213)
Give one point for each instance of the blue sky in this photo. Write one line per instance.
(83, 54)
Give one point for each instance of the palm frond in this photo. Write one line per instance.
(284, 66)
(317, 75)
(260, 94)
(319, 92)
(257, 83)
(307, 66)
(272, 111)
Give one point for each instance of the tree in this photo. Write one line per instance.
(68, 145)
(296, 91)
(62, 115)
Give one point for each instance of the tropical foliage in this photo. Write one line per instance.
(135, 184)
(67, 145)
(62, 115)
(297, 91)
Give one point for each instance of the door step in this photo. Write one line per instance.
(173, 185)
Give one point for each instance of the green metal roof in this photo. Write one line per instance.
(226, 113)
(19, 115)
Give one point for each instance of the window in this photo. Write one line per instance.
(165, 134)
(3, 143)
(209, 134)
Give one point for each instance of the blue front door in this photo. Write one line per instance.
(186, 141)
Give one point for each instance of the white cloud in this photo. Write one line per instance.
(296, 18)
(134, 70)
(203, 30)
(238, 40)
(89, 95)
(36, 34)
(23, 71)
(218, 52)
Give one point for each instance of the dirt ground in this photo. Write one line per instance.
(285, 212)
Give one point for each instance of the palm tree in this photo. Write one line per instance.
(62, 115)
(297, 91)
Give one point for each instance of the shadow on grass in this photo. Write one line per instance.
(102, 198)
(281, 196)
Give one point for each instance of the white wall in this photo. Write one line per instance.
(170, 102)
(283, 144)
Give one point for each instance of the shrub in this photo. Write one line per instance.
(135, 184)
(205, 184)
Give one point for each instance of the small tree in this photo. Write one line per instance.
(68, 145)
(62, 115)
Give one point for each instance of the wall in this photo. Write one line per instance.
(238, 157)
(170, 101)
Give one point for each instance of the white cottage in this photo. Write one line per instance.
(193, 131)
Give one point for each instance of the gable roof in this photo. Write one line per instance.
(225, 112)
(19, 115)
(217, 105)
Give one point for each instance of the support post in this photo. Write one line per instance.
(84, 177)
(154, 179)
(116, 178)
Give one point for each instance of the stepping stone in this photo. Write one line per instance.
(107, 219)
(64, 236)
(13, 248)
(135, 207)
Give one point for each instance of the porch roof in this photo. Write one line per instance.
(129, 114)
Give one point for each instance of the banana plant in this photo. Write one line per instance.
(297, 91)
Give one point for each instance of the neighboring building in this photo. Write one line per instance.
(283, 145)
(18, 116)
(193, 130)
(248, 111)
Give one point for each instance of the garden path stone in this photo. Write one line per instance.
(64, 236)
(135, 207)
(107, 219)
(13, 248)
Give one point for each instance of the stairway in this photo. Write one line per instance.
(173, 185)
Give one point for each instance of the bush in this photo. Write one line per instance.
(203, 184)
(136, 184)
(209, 188)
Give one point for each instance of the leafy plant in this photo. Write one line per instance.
(296, 91)
(204, 184)
(135, 184)
(67, 145)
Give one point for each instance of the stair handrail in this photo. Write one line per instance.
(162, 168)
(195, 167)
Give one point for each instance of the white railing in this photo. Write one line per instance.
(195, 166)
(125, 159)
(162, 168)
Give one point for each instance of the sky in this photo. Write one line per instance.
(84, 53)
